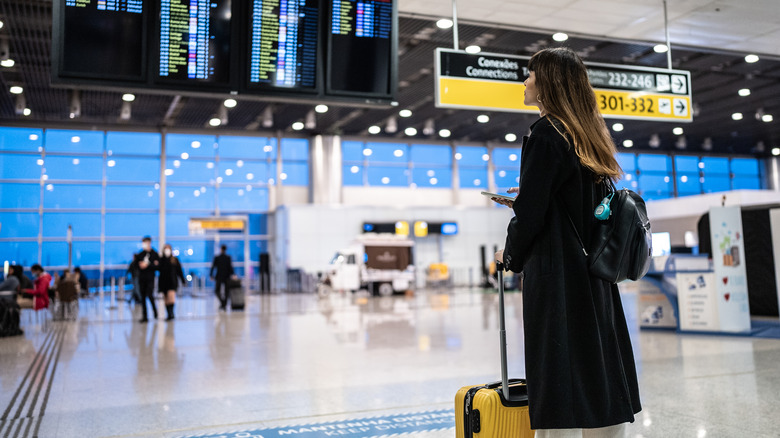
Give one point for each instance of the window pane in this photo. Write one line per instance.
(472, 156)
(19, 253)
(189, 198)
(56, 254)
(258, 224)
(388, 153)
(648, 162)
(132, 224)
(246, 172)
(72, 196)
(431, 154)
(121, 252)
(473, 178)
(198, 171)
(135, 143)
(193, 145)
(74, 168)
(439, 177)
(746, 183)
(352, 175)
(388, 176)
(84, 224)
(655, 185)
(716, 165)
(21, 139)
(74, 141)
(133, 169)
(688, 183)
(295, 174)
(247, 147)
(232, 199)
(295, 149)
(133, 197)
(193, 251)
(19, 224)
(745, 166)
(257, 247)
(352, 150)
(235, 249)
(686, 164)
(506, 178)
(716, 183)
(20, 195)
(627, 162)
(629, 181)
(20, 166)
(506, 157)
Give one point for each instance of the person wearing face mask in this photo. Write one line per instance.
(170, 274)
(147, 262)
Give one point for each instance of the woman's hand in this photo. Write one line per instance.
(506, 202)
(499, 258)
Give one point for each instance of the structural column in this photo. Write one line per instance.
(325, 170)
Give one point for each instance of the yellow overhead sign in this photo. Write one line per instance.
(487, 81)
(199, 225)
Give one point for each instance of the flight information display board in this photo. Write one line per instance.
(283, 50)
(103, 39)
(360, 46)
(194, 41)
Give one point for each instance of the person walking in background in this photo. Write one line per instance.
(224, 267)
(40, 292)
(170, 274)
(579, 361)
(146, 263)
(82, 280)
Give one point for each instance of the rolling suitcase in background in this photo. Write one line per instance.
(498, 409)
(236, 292)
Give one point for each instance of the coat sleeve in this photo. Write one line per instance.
(542, 171)
(180, 273)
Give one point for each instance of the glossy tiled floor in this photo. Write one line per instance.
(292, 360)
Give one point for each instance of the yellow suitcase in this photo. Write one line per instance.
(499, 409)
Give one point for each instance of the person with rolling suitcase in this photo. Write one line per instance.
(580, 370)
(495, 409)
(221, 272)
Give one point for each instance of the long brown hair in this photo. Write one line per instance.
(566, 94)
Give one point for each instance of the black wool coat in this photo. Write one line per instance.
(579, 361)
(170, 274)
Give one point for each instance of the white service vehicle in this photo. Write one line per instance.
(380, 263)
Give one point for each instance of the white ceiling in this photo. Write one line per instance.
(750, 26)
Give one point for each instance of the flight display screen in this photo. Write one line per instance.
(283, 50)
(360, 45)
(104, 39)
(195, 41)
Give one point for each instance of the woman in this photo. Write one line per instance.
(40, 292)
(170, 274)
(579, 362)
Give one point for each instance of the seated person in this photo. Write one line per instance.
(40, 292)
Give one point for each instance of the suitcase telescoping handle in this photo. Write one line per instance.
(502, 330)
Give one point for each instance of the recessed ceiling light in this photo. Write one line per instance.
(560, 36)
(322, 109)
(16, 89)
(483, 118)
(661, 48)
(27, 111)
(374, 129)
(767, 118)
(410, 131)
(444, 133)
(128, 97)
(405, 113)
(510, 137)
(215, 121)
(297, 126)
(628, 143)
(751, 58)
(7, 63)
(230, 103)
(736, 116)
(776, 151)
(473, 49)
(744, 92)
(677, 131)
(617, 127)
(444, 23)
(1, 24)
